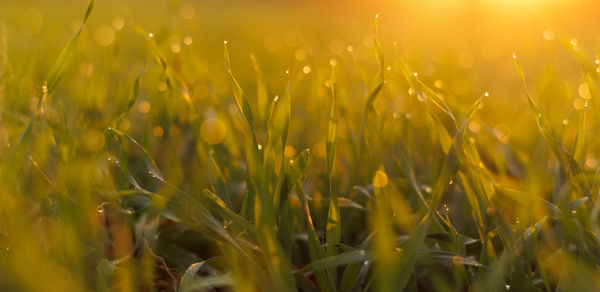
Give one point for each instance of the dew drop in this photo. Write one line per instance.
(260, 147)
(486, 94)
(415, 74)
(574, 42)
(514, 56)
(129, 211)
(350, 49)
(396, 115)
(426, 188)
(224, 42)
(306, 69)
(377, 15)
(276, 98)
(287, 72)
(389, 68)
(565, 122)
(150, 35)
(45, 88)
(548, 34)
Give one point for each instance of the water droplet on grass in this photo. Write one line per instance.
(426, 188)
(574, 42)
(548, 34)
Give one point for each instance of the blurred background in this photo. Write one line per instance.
(461, 47)
(472, 39)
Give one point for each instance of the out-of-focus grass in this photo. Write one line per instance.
(139, 153)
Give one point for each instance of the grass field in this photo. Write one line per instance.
(300, 145)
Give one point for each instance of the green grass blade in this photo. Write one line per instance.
(262, 93)
(338, 260)
(238, 93)
(66, 56)
(334, 229)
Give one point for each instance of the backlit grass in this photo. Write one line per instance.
(142, 156)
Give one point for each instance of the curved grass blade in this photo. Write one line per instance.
(133, 96)
(218, 180)
(66, 56)
(567, 162)
(191, 274)
(150, 164)
(238, 93)
(338, 260)
(368, 106)
(437, 258)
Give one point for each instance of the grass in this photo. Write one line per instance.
(145, 167)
